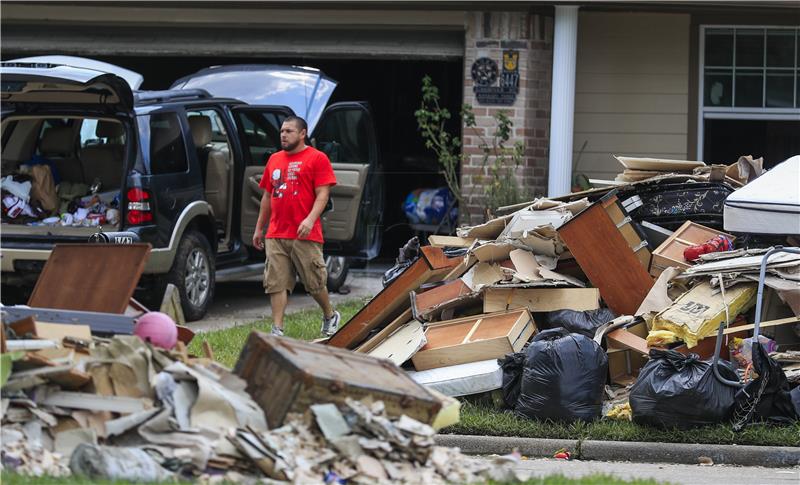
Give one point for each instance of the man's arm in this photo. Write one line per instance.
(264, 211)
(322, 193)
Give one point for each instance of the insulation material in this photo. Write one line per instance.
(697, 313)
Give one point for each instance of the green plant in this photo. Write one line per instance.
(499, 160)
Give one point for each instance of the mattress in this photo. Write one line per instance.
(768, 205)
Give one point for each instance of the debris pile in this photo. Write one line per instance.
(360, 443)
(642, 265)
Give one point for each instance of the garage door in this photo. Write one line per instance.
(169, 40)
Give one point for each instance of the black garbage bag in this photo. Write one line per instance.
(582, 322)
(563, 377)
(680, 391)
(512, 365)
(767, 398)
(406, 257)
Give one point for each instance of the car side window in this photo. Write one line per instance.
(343, 135)
(260, 133)
(167, 149)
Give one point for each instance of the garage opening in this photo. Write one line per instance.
(392, 89)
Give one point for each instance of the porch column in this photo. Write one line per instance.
(562, 103)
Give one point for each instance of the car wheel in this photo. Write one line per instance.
(337, 267)
(193, 274)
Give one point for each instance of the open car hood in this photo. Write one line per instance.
(42, 83)
(303, 89)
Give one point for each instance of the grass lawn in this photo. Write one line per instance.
(479, 417)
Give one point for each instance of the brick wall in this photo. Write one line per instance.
(488, 34)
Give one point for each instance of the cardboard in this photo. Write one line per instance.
(540, 299)
(487, 231)
(481, 275)
(493, 251)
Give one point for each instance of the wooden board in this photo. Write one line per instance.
(449, 241)
(620, 218)
(402, 344)
(453, 294)
(285, 375)
(630, 338)
(50, 331)
(392, 300)
(670, 252)
(607, 259)
(471, 339)
(90, 277)
(540, 299)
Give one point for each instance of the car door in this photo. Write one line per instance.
(259, 137)
(352, 226)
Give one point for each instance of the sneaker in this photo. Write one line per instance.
(278, 332)
(330, 325)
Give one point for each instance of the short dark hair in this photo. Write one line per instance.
(298, 121)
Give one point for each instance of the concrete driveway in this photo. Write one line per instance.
(243, 300)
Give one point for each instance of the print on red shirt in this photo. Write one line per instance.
(290, 179)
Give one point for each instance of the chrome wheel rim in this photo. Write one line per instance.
(334, 265)
(198, 277)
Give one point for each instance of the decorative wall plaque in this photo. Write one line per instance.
(485, 74)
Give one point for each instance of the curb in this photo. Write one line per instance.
(633, 451)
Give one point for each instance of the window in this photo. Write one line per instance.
(260, 132)
(344, 136)
(96, 132)
(751, 68)
(749, 96)
(167, 149)
(217, 135)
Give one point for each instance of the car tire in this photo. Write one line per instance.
(337, 268)
(192, 273)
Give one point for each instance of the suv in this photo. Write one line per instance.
(180, 168)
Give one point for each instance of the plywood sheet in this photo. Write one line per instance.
(90, 277)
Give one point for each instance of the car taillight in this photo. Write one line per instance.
(139, 206)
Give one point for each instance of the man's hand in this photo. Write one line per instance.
(304, 229)
(258, 239)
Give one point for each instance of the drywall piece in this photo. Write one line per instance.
(607, 259)
(94, 402)
(462, 379)
(492, 251)
(487, 231)
(475, 338)
(482, 274)
(527, 220)
(540, 299)
(432, 265)
(402, 344)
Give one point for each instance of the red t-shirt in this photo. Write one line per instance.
(290, 179)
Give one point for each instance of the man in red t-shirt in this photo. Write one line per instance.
(297, 184)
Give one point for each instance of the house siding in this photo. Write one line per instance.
(632, 89)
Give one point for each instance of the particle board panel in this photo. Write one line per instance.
(475, 338)
(432, 265)
(90, 277)
(607, 259)
(620, 218)
(379, 337)
(540, 299)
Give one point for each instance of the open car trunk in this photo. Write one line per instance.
(62, 175)
(65, 143)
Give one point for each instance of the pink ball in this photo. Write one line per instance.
(158, 329)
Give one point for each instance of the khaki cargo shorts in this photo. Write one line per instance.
(288, 258)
